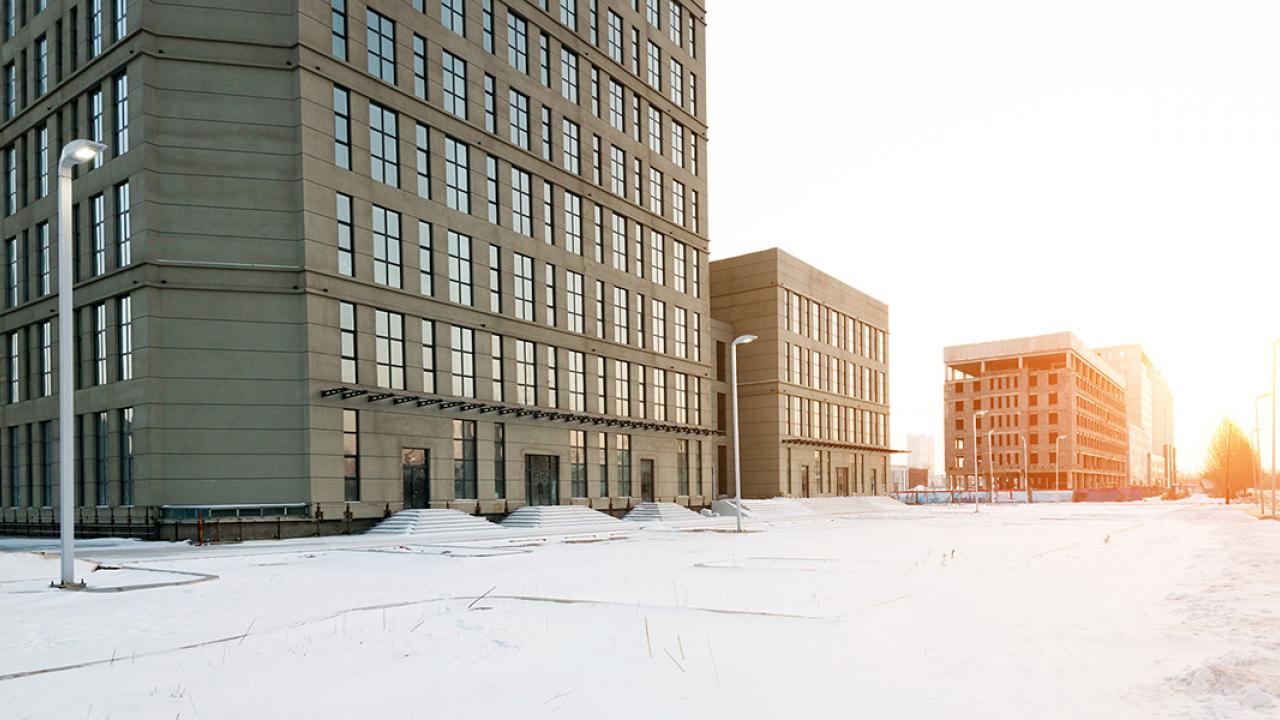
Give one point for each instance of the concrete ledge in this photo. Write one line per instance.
(493, 507)
(600, 503)
(584, 502)
(467, 506)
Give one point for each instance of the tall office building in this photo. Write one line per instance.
(1149, 409)
(814, 386)
(348, 257)
(920, 449)
(1031, 399)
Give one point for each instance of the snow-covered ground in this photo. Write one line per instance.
(1046, 611)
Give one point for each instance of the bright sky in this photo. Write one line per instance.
(1000, 168)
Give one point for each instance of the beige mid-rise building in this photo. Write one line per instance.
(1149, 408)
(814, 386)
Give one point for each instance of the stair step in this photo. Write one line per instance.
(435, 520)
(558, 516)
(660, 512)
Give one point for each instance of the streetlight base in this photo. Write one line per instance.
(68, 586)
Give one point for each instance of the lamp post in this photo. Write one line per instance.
(976, 415)
(1275, 345)
(1057, 462)
(73, 154)
(1026, 466)
(991, 468)
(1257, 443)
(737, 452)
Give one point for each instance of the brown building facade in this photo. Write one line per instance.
(1034, 390)
(814, 386)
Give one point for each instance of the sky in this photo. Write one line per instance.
(1004, 168)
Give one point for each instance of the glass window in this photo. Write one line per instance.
(98, 232)
(124, 339)
(386, 247)
(457, 175)
(426, 265)
(459, 268)
(571, 146)
(337, 24)
(526, 373)
(455, 85)
(453, 15)
(428, 356)
(518, 118)
(126, 456)
(389, 349)
(121, 85)
(578, 463)
(499, 392)
(521, 202)
(124, 227)
(341, 127)
(463, 356)
(422, 149)
(623, 443)
(464, 459)
(615, 37)
(420, 66)
(569, 75)
(381, 41)
(577, 380)
(351, 455)
(517, 42)
(100, 344)
(572, 223)
(347, 341)
(621, 333)
(495, 279)
(549, 287)
(384, 151)
(524, 287)
(490, 104)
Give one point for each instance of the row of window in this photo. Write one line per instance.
(672, 200)
(812, 319)
(37, 69)
(28, 352)
(30, 163)
(587, 450)
(30, 451)
(828, 373)
(544, 375)
(822, 420)
(28, 257)
(381, 62)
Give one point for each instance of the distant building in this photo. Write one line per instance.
(1037, 390)
(899, 478)
(1149, 408)
(920, 451)
(813, 388)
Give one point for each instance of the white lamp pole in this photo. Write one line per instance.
(1274, 346)
(1026, 467)
(73, 153)
(991, 468)
(1057, 462)
(1257, 442)
(976, 415)
(737, 453)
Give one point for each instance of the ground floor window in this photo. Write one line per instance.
(602, 447)
(464, 459)
(578, 463)
(126, 456)
(500, 460)
(682, 467)
(623, 443)
(350, 455)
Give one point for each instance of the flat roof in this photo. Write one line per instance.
(1034, 345)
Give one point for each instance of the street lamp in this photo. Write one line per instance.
(1275, 345)
(1257, 441)
(976, 415)
(991, 468)
(1057, 462)
(737, 452)
(1026, 466)
(73, 153)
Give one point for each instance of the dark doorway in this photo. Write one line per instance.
(804, 481)
(413, 462)
(646, 480)
(842, 482)
(542, 479)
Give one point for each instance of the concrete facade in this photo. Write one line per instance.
(814, 386)
(1149, 408)
(1037, 389)
(310, 315)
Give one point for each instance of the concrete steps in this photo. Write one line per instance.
(559, 517)
(426, 522)
(860, 505)
(660, 512)
(771, 509)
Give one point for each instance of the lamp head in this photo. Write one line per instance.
(80, 151)
(744, 339)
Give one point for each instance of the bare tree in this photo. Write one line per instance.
(1231, 462)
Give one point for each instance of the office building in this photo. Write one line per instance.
(1047, 408)
(814, 386)
(346, 257)
(1149, 410)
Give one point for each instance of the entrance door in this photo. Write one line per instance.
(646, 480)
(804, 481)
(413, 462)
(542, 479)
(842, 482)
